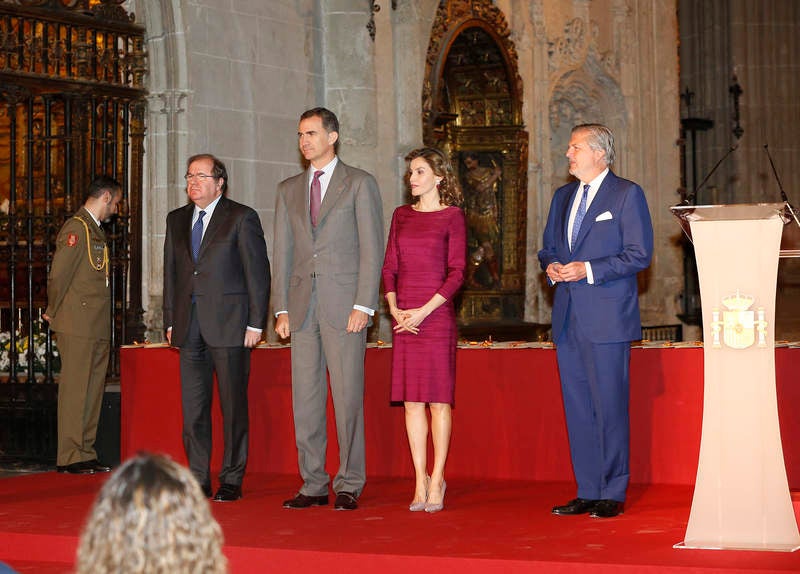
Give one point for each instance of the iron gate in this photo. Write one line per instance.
(71, 107)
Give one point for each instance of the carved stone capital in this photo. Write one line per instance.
(569, 49)
(537, 17)
(579, 43)
(168, 101)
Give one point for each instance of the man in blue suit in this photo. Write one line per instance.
(598, 237)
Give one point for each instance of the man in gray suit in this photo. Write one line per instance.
(216, 290)
(327, 263)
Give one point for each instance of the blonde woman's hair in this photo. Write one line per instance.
(151, 518)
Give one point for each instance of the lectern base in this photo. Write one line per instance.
(716, 546)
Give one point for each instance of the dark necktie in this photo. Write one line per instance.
(581, 213)
(197, 235)
(316, 197)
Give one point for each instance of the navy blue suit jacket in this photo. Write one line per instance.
(618, 247)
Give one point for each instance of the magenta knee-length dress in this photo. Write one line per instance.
(425, 255)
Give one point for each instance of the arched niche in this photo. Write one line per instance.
(583, 95)
(472, 109)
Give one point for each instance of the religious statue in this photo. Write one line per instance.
(481, 191)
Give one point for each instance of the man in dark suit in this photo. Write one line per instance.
(79, 310)
(597, 238)
(216, 293)
(328, 257)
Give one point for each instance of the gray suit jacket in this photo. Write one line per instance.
(230, 280)
(343, 254)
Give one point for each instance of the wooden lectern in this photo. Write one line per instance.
(741, 496)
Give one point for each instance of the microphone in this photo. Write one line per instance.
(689, 199)
(784, 197)
(775, 173)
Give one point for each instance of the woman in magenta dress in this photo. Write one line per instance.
(422, 271)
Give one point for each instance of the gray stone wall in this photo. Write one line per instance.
(612, 62)
(232, 76)
(752, 43)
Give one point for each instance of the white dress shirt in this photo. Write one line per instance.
(209, 209)
(594, 185)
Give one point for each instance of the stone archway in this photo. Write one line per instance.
(453, 19)
(582, 96)
(472, 109)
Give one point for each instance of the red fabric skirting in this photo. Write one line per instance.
(508, 419)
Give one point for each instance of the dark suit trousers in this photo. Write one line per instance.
(232, 365)
(594, 385)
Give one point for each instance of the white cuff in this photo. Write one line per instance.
(366, 310)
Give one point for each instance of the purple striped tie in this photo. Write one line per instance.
(316, 197)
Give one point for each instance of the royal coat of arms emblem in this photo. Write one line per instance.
(740, 327)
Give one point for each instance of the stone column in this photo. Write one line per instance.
(350, 78)
(535, 78)
(165, 143)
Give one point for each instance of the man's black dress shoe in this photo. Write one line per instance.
(97, 466)
(607, 509)
(77, 468)
(575, 506)
(228, 493)
(206, 488)
(303, 501)
(345, 501)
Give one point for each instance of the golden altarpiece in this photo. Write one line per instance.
(71, 107)
(472, 108)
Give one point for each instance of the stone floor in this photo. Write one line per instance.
(15, 467)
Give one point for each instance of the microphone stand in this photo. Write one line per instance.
(784, 197)
(689, 199)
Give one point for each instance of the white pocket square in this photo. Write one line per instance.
(604, 216)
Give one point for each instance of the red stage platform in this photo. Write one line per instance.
(508, 419)
(488, 527)
(509, 464)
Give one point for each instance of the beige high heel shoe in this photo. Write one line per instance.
(420, 506)
(436, 507)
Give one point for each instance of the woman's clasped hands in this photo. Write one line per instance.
(408, 320)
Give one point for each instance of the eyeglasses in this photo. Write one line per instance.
(199, 176)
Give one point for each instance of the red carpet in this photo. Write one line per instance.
(487, 527)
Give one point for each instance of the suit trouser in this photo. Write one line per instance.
(232, 365)
(315, 347)
(84, 364)
(594, 386)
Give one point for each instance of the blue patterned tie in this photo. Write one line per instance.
(197, 235)
(581, 213)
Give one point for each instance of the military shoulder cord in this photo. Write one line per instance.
(89, 250)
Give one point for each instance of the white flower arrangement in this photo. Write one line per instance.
(39, 352)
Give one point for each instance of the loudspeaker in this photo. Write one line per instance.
(108, 429)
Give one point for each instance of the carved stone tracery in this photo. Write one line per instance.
(585, 86)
